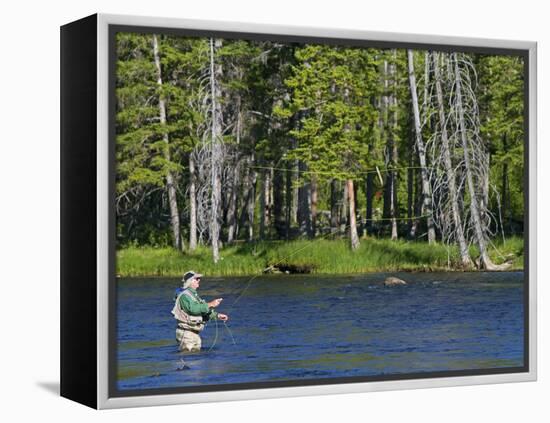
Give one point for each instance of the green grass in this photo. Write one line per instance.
(318, 256)
(509, 250)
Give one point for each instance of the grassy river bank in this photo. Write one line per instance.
(303, 256)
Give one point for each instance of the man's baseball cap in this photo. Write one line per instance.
(189, 276)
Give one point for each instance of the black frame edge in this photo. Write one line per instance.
(78, 183)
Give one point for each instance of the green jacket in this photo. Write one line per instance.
(196, 306)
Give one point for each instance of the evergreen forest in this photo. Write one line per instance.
(225, 144)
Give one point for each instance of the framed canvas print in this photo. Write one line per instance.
(254, 211)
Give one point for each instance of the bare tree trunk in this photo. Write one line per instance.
(392, 146)
(170, 179)
(426, 188)
(369, 192)
(352, 220)
(393, 192)
(410, 186)
(390, 153)
(457, 219)
(417, 205)
(215, 74)
(248, 198)
(278, 202)
(387, 140)
(295, 194)
(485, 198)
(486, 262)
(232, 208)
(313, 207)
(304, 200)
(288, 200)
(251, 202)
(344, 216)
(504, 189)
(269, 199)
(235, 182)
(192, 204)
(334, 195)
(264, 200)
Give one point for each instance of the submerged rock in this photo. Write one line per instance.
(393, 281)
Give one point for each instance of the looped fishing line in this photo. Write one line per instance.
(215, 338)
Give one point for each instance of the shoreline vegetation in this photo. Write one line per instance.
(313, 257)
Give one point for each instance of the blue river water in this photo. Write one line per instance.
(293, 327)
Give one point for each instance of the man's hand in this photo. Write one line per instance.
(223, 317)
(215, 303)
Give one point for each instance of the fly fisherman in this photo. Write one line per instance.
(191, 312)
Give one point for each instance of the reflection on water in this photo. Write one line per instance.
(303, 327)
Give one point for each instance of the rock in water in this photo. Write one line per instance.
(392, 281)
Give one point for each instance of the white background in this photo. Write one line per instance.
(29, 195)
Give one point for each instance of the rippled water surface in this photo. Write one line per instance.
(306, 327)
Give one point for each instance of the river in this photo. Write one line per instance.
(298, 327)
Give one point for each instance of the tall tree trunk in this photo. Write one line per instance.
(304, 200)
(344, 216)
(170, 179)
(449, 169)
(251, 202)
(504, 190)
(269, 199)
(314, 195)
(289, 194)
(192, 204)
(421, 148)
(388, 131)
(392, 144)
(386, 140)
(248, 198)
(232, 207)
(278, 202)
(393, 192)
(352, 219)
(334, 196)
(369, 192)
(235, 182)
(486, 262)
(216, 154)
(264, 202)
(410, 186)
(485, 197)
(417, 205)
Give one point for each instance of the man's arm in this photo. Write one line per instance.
(192, 307)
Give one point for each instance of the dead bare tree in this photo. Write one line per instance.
(209, 156)
(450, 172)
(421, 149)
(476, 165)
(170, 178)
(216, 149)
(390, 153)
